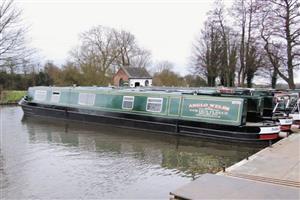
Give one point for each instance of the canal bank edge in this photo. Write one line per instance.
(275, 168)
(11, 97)
(286, 142)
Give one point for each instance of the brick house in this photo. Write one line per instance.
(133, 77)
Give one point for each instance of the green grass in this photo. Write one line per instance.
(11, 96)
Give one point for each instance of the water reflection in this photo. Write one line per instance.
(96, 161)
(193, 157)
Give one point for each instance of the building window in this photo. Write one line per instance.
(154, 104)
(86, 99)
(128, 102)
(121, 82)
(40, 95)
(55, 96)
(137, 84)
(146, 83)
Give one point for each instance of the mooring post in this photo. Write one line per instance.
(270, 143)
(223, 167)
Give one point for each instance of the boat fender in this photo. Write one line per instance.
(283, 134)
(295, 126)
(287, 121)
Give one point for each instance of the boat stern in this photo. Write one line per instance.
(269, 132)
(285, 124)
(296, 119)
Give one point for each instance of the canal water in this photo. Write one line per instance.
(48, 158)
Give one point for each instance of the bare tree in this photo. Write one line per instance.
(268, 73)
(215, 52)
(194, 81)
(206, 52)
(142, 59)
(96, 54)
(163, 65)
(245, 17)
(12, 34)
(165, 76)
(126, 47)
(70, 74)
(228, 56)
(103, 49)
(280, 31)
(130, 54)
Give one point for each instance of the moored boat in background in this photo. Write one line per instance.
(264, 104)
(295, 114)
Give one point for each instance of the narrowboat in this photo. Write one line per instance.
(263, 105)
(179, 112)
(285, 107)
(291, 105)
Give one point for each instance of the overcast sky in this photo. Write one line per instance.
(166, 28)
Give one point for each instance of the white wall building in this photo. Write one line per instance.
(133, 77)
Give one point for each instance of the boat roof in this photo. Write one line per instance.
(156, 90)
(173, 90)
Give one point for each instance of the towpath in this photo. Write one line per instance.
(272, 173)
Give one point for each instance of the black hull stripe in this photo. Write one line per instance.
(229, 128)
(171, 126)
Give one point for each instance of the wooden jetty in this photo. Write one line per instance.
(272, 173)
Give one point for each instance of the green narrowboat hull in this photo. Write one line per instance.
(163, 111)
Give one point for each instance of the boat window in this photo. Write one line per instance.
(128, 102)
(154, 104)
(55, 96)
(86, 99)
(40, 95)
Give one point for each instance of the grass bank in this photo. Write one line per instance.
(11, 96)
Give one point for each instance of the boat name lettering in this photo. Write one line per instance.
(210, 113)
(209, 106)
